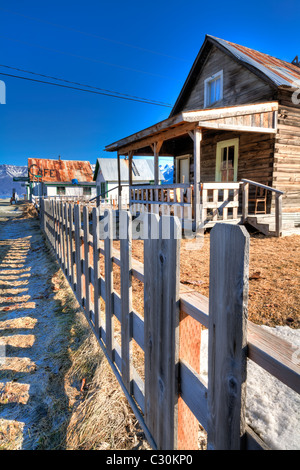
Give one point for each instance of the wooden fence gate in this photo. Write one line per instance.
(172, 399)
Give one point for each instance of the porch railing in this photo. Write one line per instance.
(278, 202)
(171, 199)
(220, 201)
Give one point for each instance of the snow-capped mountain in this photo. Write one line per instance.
(7, 172)
(167, 171)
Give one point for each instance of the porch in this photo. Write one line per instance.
(219, 202)
(213, 151)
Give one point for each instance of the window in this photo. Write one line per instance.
(103, 189)
(227, 160)
(213, 89)
(87, 191)
(61, 190)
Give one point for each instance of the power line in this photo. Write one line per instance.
(93, 35)
(88, 91)
(84, 85)
(88, 58)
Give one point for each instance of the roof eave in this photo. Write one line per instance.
(186, 118)
(147, 132)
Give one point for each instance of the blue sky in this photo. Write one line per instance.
(144, 49)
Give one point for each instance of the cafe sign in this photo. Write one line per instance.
(37, 172)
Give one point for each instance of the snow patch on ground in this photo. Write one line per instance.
(272, 408)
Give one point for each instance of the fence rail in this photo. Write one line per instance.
(172, 386)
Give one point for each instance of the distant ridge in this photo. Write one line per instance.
(167, 171)
(7, 172)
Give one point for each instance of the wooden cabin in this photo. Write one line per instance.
(234, 134)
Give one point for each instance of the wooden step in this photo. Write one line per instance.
(266, 224)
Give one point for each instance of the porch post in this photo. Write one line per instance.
(156, 149)
(119, 184)
(196, 194)
(130, 156)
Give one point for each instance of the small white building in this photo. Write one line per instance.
(59, 177)
(106, 176)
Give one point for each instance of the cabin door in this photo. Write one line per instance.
(227, 160)
(183, 172)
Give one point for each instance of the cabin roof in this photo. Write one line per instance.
(275, 71)
(60, 171)
(143, 169)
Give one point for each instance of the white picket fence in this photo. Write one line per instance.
(80, 237)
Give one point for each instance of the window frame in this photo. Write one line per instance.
(220, 145)
(207, 82)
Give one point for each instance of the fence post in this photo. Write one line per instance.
(67, 232)
(42, 215)
(61, 236)
(125, 221)
(59, 242)
(55, 228)
(228, 298)
(278, 214)
(71, 245)
(77, 220)
(161, 309)
(96, 264)
(109, 307)
(245, 201)
(86, 233)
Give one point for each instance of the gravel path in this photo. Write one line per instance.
(31, 384)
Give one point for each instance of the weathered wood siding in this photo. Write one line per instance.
(286, 174)
(240, 86)
(255, 161)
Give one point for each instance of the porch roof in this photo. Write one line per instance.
(247, 118)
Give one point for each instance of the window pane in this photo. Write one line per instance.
(212, 92)
(224, 157)
(87, 191)
(218, 89)
(230, 156)
(61, 190)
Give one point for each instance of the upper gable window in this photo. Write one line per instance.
(213, 89)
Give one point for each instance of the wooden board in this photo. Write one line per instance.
(228, 294)
(161, 310)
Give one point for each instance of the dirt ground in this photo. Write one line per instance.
(274, 277)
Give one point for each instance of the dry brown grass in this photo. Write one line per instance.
(100, 417)
(29, 211)
(274, 285)
(103, 418)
